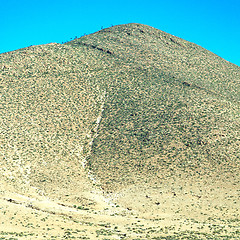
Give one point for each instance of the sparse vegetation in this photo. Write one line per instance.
(126, 123)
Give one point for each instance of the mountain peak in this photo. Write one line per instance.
(129, 121)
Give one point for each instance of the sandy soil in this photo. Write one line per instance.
(188, 208)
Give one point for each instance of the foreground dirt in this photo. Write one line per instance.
(188, 208)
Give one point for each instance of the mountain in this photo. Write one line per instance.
(169, 105)
(126, 108)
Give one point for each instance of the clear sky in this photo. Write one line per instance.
(212, 24)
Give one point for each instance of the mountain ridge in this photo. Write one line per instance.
(170, 75)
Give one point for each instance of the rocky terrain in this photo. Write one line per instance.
(126, 133)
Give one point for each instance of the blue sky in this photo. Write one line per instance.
(212, 24)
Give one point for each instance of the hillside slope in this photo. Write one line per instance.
(126, 125)
(163, 105)
(170, 107)
(48, 108)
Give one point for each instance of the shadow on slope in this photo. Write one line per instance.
(171, 107)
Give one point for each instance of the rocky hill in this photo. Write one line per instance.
(120, 111)
(168, 106)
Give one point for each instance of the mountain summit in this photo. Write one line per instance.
(168, 105)
(123, 107)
